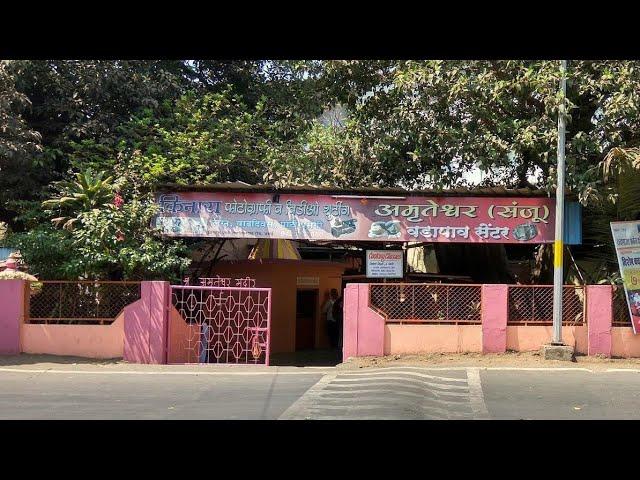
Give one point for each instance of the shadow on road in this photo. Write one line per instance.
(307, 358)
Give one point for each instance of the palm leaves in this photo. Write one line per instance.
(86, 193)
(621, 168)
(618, 200)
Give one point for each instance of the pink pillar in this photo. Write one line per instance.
(495, 312)
(363, 330)
(12, 306)
(599, 318)
(350, 322)
(145, 325)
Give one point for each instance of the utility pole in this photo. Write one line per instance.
(558, 245)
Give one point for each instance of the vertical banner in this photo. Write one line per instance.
(626, 238)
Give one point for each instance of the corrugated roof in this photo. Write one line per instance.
(315, 189)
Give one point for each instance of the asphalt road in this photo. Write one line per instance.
(389, 393)
(62, 396)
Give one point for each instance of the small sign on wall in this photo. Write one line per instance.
(308, 281)
(385, 263)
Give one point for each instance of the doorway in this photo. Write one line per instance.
(306, 310)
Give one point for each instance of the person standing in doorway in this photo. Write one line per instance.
(332, 325)
(338, 306)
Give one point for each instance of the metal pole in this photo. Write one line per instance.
(558, 245)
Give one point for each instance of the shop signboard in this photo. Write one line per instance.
(626, 239)
(335, 217)
(385, 264)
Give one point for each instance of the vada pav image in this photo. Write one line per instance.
(377, 229)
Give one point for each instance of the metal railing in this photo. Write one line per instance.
(533, 305)
(79, 302)
(620, 308)
(427, 303)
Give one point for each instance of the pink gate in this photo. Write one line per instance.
(219, 324)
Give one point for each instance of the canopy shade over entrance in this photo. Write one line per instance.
(281, 249)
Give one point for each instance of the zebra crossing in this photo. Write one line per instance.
(395, 393)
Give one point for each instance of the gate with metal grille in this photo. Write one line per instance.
(212, 324)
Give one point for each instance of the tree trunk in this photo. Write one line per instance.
(542, 272)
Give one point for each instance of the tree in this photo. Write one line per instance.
(613, 194)
(86, 193)
(408, 123)
(218, 137)
(47, 252)
(77, 102)
(327, 155)
(18, 142)
(427, 123)
(120, 244)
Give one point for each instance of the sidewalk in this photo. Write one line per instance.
(509, 360)
(506, 361)
(28, 363)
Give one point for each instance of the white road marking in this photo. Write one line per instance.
(360, 408)
(393, 388)
(306, 401)
(397, 370)
(393, 395)
(476, 397)
(390, 393)
(401, 381)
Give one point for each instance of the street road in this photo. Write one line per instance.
(83, 392)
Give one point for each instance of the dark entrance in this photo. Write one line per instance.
(306, 308)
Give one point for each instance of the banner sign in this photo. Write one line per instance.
(385, 264)
(626, 238)
(336, 217)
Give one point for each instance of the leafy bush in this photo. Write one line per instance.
(46, 251)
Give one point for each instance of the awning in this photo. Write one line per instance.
(267, 248)
(475, 191)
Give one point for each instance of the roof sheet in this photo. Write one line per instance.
(498, 191)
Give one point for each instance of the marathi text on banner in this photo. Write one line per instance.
(626, 239)
(331, 217)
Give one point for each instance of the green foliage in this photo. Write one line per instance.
(47, 251)
(18, 141)
(408, 123)
(86, 193)
(120, 243)
(612, 194)
(207, 139)
(325, 155)
(426, 123)
(107, 243)
(218, 137)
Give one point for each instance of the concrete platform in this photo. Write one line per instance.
(557, 352)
